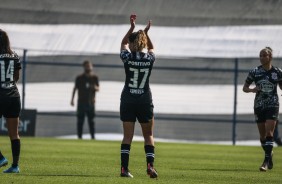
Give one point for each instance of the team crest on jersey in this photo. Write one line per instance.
(266, 86)
(274, 76)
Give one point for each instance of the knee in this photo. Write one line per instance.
(147, 133)
(127, 139)
(14, 136)
(149, 140)
(269, 134)
(13, 133)
(147, 137)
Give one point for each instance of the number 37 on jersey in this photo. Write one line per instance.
(137, 81)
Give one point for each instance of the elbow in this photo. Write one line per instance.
(17, 75)
(246, 88)
(150, 46)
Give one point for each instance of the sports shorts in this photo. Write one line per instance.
(271, 113)
(85, 109)
(10, 107)
(129, 112)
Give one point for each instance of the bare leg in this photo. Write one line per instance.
(13, 124)
(147, 130)
(269, 127)
(128, 132)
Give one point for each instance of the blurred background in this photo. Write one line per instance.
(204, 50)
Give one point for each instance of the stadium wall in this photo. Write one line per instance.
(162, 12)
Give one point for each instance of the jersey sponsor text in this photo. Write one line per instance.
(136, 63)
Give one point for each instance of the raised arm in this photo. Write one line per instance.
(124, 42)
(149, 42)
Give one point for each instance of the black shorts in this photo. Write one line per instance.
(262, 115)
(130, 111)
(10, 107)
(85, 109)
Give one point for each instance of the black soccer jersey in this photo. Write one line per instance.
(138, 67)
(86, 88)
(267, 81)
(9, 63)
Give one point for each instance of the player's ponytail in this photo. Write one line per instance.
(139, 40)
(4, 43)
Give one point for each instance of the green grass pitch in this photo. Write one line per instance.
(47, 160)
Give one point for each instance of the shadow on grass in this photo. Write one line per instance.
(216, 169)
(223, 170)
(65, 175)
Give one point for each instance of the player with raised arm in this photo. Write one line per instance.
(136, 97)
(266, 106)
(10, 104)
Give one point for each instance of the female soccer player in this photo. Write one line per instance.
(266, 105)
(136, 97)
(10, 105)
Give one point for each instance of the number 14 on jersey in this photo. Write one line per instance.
(9, 73)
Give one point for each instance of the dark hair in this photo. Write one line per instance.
(4, 43)
(138, 39)
(86, 62)
(132, 37)
(268, 50)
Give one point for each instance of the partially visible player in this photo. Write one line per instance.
(266, 106)
(276, 137)
(136, 97)
(10, 104)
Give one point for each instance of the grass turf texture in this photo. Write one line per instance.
(46, 160)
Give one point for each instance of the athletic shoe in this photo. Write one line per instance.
(12, 170)
(270, 163)
(152, 172)
(125, 173)
(264, 166)
(3, 162)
